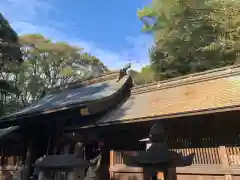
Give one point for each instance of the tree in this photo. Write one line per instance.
(9, 53)
(192, 36)
(146, 75)
(9, 46)
(47, 65)
(53, 64)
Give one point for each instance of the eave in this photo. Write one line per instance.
(209, 92)
(88, 106)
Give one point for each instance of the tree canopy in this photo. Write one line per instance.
(9, 47)
(46, 64)
(10, 53)
(49, 64)
(192, 36)
(146, 75)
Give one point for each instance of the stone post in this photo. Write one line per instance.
(70, 175)
(41, 175)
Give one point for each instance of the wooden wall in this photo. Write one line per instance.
(9, 168)
(219, 163)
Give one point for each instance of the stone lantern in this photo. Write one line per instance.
(67, 167)
(158, 157)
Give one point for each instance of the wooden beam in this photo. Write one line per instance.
(175, 116)
(111, 163)
(194, 169)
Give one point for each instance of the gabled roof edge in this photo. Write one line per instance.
(188, 79)
(103, 77)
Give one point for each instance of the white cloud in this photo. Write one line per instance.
(26, 20)
(26, 10)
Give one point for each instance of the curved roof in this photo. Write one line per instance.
(101, 78)
(75, 96)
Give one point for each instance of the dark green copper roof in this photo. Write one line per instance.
(5, 131)
(68, 98)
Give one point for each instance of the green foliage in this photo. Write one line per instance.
(146, 75)
(192, 36)
(7, 87)
(46, 65)
(9, 47)
(10, 53)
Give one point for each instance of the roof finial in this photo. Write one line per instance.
(123, 71)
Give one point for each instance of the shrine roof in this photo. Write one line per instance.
(74, 95)
(212, 91)
(6, 131)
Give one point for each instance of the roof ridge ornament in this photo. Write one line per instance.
(123, 71)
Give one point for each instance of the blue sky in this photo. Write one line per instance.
(109, 29)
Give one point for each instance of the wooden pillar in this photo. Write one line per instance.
(160, 176)
(111, 163)
(32, 148)
(24, 155)
(166, 174)
(55, 131)
(28, 162)
(224, 160)
(148, 174)
(2, 162)
(51, 138)
(78, 150)
(2, 157)
(78, 173)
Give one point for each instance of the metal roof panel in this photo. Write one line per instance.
(73, 96)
